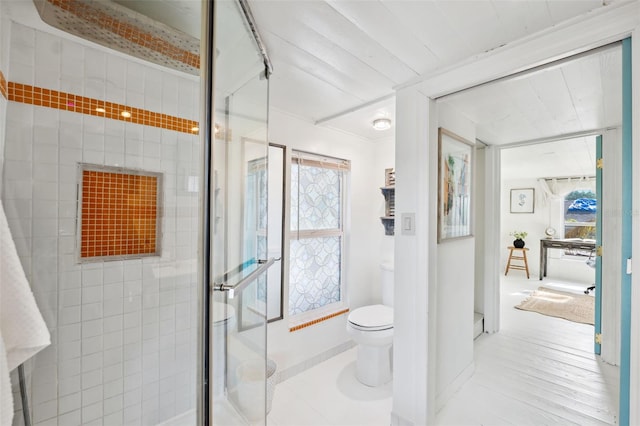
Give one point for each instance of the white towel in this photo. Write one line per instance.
(23, 331)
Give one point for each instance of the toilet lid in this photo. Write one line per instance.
(374, 316)
(222, 312)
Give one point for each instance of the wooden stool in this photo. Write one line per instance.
(523, 257)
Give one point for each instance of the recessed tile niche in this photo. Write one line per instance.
(119, 213)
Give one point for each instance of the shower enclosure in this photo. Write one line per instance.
(238, 221)
(91, 129)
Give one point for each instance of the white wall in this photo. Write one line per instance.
(363, 241)
(455, 294)
(385, 159)
(414, 348)
(123, 332)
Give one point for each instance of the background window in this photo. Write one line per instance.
(317, 233)
(580, 216)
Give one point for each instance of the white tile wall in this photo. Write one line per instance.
(124, 341)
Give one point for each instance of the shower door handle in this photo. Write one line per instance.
(231, 289)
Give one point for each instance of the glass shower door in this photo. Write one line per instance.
(238, 223)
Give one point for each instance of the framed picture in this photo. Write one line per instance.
(455, 162)
(522, 200)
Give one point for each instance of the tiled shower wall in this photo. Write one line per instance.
(4, 61)
(123, 332)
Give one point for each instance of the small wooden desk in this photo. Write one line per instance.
(522, 257)
(570, 243)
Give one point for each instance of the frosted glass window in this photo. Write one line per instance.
(317, 203)
(316, 247)
(314, 279)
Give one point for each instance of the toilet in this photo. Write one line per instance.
(371, 327)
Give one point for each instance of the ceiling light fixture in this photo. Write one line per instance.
(381, 124)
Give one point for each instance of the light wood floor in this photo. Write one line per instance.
(537, 370)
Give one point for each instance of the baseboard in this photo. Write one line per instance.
(454, 386)
(294, 370)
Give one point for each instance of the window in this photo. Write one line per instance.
(580, 216)
(316, 250)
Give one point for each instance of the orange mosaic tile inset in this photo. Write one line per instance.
(119, 214)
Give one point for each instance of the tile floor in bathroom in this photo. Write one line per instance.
(527, 392)
(329, 395)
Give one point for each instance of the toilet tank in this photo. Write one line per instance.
(386, 282)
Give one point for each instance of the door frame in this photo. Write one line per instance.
(628, 203)
(597, 328)
(629, 386)
(602, 26)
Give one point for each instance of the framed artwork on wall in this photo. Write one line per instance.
(522, 200)
(455, 160)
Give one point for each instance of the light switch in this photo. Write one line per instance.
(408, 223)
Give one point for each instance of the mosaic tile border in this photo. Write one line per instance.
(38, 96)
(316, 321)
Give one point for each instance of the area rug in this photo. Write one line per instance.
(554, 303)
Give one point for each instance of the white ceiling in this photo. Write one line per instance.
(566, 158)
(575, 96)
(334, 56)
(337, 62)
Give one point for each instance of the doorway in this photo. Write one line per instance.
(517, 122)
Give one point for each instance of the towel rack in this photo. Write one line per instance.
(231, 289)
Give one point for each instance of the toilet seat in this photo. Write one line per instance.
(372, 318)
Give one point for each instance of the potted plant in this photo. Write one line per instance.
(519, 238)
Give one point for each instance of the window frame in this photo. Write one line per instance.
(572, 253)
(303, 319)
